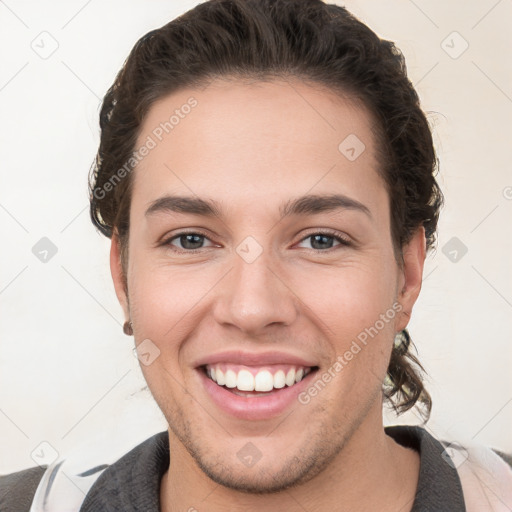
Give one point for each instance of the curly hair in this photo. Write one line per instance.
(316, 42)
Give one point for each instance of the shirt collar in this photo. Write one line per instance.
(439, 486)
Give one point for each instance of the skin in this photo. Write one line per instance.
(252, 147)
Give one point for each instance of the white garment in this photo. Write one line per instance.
(61, 489)
(485, 477)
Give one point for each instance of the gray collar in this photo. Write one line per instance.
(439, 486)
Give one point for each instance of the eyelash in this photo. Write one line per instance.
(332, 234)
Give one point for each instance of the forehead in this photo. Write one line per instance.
(253, 141)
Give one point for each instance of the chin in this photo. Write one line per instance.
(274, 465)
(262, 479)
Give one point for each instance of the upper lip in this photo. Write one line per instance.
(254, 358)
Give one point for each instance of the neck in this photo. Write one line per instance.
(372, 472)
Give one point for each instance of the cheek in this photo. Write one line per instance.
(351, 298)
(162, 311)
(358, 311)
(163, 297)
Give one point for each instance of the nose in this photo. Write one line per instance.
(255, 296)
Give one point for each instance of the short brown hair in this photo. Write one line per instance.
(320, 43)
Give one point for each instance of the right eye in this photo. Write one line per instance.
(190, 241)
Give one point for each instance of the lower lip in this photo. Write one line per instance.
(258, 407)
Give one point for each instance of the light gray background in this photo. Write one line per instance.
(68, 376)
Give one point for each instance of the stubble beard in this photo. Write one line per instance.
(317, 452)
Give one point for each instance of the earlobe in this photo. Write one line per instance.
(411, 275)
(116, 270)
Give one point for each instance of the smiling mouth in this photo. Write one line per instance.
(249, 381)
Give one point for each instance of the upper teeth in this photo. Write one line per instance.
(262, 380)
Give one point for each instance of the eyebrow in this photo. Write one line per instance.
(304, 205)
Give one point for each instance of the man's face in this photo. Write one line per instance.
(253, 297)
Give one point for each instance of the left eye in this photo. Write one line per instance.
(321, 241)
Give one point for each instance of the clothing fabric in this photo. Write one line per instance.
(132, 483)
(17, 489)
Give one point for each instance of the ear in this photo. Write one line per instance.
(116, 270)
(410, 276)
